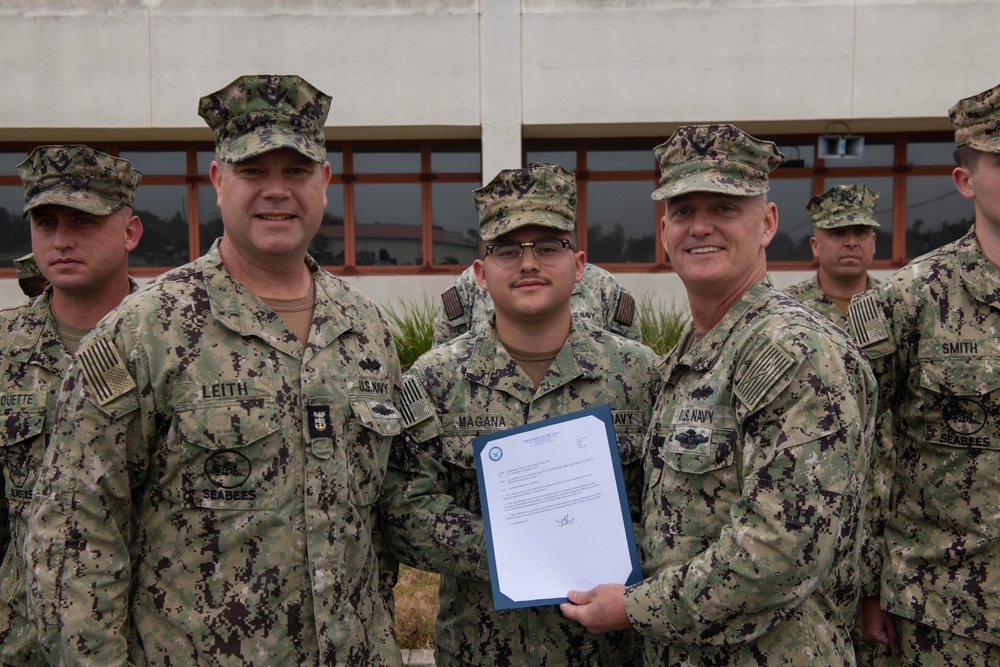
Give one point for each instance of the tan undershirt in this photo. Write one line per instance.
(297, 314)
(69, 334)
(840, 302)
(534, 364)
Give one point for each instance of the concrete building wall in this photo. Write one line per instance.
(499, 70)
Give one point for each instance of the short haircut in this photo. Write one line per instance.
(967, 157)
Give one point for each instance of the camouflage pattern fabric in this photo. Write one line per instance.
(977, 121)
(26, 267)
(754, 494)
(259, 113)
(434, 521)
(714, 158)
(538, 194)
(208, 495)
(844, 206)
(32, 366)
(925, 646)
(810, 293)
(78, 177)
(598, 298)
(930, 331)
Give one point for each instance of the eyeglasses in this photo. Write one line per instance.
(507, 254)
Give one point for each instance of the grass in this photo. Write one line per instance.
(412, 326)
(661, 327)
(413, 329)
(416, 596)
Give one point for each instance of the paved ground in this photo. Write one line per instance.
(418, 657)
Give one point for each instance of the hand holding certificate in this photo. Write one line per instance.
(554, 509)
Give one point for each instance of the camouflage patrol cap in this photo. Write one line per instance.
(78, 177)
(714, 158)
(844, 206)
(538, 194)
(27, 267)
(977, 121)
(257, 113)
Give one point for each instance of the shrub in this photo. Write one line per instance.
(661, 327)
(412, 328)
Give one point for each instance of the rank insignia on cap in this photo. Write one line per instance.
(415, 406)
(763, 372)
(867, 325)
(319, 421)
(104, 371)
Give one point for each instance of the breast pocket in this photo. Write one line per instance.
(369, 432)
(698, 449)
(961, 402)
(22, 445)
(228, 457)
(698, 477)
(460, 462)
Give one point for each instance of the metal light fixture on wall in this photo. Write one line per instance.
(835, 146)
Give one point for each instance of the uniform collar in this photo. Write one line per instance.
(980, 275)
(703, 356)
(491, 365)
(240, 310)
(37, 339)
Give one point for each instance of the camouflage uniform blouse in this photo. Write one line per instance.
(598, 297)
(931, 332)
(809, 293)
(755, 480)
(32, 367)
(220, 510)
(472, 387)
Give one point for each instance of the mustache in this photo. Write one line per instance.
(534, 279)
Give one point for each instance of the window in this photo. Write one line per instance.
(918, 209)
(406, 206)
(388, 205)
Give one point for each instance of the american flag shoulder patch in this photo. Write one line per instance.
(765, 370)
(104, 371)
(452, 304)
(867, 323)
(415, 406)
(625, 311)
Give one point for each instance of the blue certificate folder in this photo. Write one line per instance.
(495, 453)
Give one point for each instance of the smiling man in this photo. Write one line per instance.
(758, 449)
(531, 360)
(79, 204)
(208, 496)
(843, 243)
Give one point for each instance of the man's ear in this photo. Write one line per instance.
(479, 268)
(963, 182)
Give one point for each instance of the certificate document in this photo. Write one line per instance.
(554, 509)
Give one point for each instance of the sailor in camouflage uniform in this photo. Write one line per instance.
(79, 202)
(758, 451)
(208, 496)
(930, 330)
(843, 242)
(598, 297)
(530, 361)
